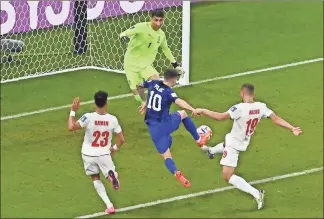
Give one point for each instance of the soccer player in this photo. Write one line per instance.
(144, 41)
(246, 116)
(161, 124)
(97, 146)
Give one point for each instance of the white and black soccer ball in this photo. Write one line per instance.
(203, 129)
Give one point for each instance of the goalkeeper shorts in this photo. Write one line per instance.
(136, 76)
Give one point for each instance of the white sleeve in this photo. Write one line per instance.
(235, 112)
(84, 120)
(117, 128)
(267, 112)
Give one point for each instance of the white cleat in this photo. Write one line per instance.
(260, 201)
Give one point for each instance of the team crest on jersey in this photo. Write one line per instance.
(159, 39)
(233, 108)
(83, 118)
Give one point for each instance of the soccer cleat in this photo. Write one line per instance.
(210, 155)
(110, 210)
(182, 179)
(260, 201)
(204, 138)
(113, 179)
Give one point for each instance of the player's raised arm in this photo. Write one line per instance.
(281, 122)
(72, 124)
(167, 52)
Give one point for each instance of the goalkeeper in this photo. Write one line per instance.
(144, 40)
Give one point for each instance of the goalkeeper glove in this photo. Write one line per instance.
(178, 68)
(124, 39)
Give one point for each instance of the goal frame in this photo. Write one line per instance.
(185, 54)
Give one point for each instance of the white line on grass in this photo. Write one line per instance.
(192, 83)
(181, 197)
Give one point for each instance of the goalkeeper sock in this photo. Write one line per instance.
(169, 163)
(190, 126)
(138, 98)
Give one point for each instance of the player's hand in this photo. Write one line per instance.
(180, 70)
(142, 108)
(76, 104)
(197, 112)
(124, 39)
(297, 131)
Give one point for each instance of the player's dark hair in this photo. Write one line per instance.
(157, 13)
(249, 88)
(171, 73)
(100, 98)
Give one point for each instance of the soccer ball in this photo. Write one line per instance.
(204, 129)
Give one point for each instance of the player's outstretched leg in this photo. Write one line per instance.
(241, 184)
(101, 190)
(218, 149)
(170, 165)
(191, 128)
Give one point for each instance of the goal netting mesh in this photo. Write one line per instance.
(38, 37)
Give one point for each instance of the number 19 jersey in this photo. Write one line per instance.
(99, 133)
(246, 116)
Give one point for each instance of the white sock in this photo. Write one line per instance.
(218, 149)
(101, 190)
(241, 184)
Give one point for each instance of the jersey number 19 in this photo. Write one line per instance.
(155, 101)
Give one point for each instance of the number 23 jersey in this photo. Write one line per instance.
(246, 117)
(99, 132)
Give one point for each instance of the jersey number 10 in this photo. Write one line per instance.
(103, 142)
(155, 101)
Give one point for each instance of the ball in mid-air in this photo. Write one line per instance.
(203, 129)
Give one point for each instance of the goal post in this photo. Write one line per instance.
(47, 31)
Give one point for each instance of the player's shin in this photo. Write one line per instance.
(218, 149)
(101, 190)
(190, 126)
(244, 186)
(169, 163)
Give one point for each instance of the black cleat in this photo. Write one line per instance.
(113, 179)
(210, 155)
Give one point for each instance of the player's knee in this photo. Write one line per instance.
(183, 114)
(227, 175)
(166, 154)
(95, 177)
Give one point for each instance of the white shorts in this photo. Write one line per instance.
(230, 157)
(93, 165)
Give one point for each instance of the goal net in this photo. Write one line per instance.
(40, 38)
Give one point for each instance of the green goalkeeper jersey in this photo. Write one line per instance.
(144, 44)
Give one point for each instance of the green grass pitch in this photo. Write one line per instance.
(41, 169)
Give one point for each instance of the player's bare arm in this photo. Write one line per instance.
(120, 140)
(281, 122)
(212, 114)
(184, 105)
(72, 123)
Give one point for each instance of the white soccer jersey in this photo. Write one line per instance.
(98, 134)
(246, 116)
